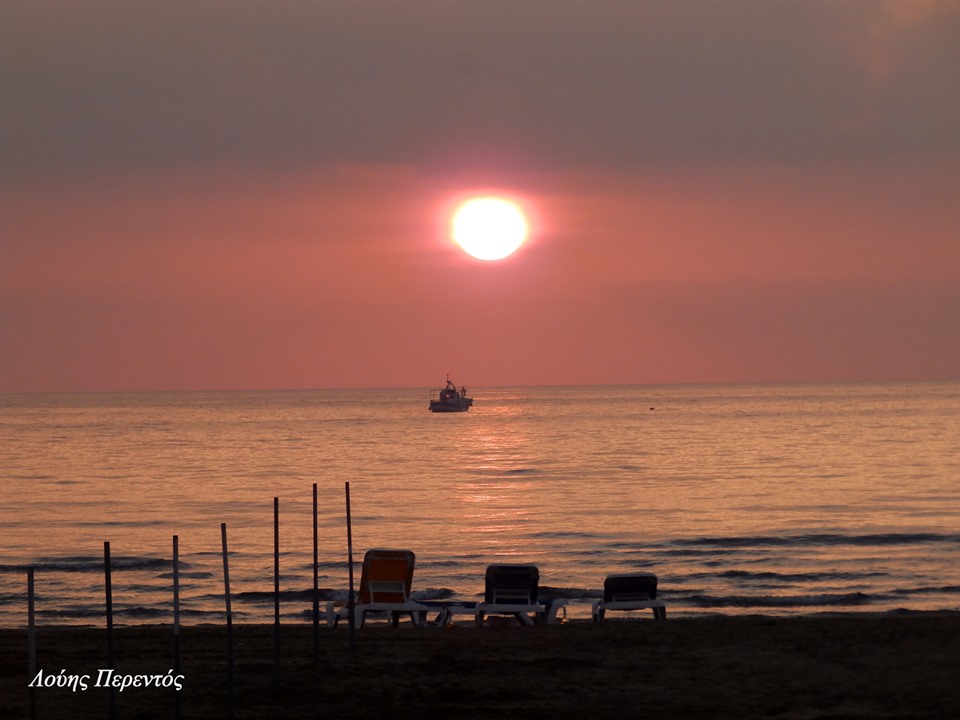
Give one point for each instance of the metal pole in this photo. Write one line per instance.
(231, 694)
(316, 583)
(31, 641)
(351, 598)
(108, 584)
(177, 704)
(276, 593)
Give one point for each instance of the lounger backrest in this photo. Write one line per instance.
(630, 587)
(387, 576)
(511, 584)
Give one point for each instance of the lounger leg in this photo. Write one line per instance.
(554, 612)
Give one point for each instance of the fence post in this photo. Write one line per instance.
(276, 593)
(316, 583)
(108, 584)
(177, 702)
(231, 690)
(351, 599)
(31, 642)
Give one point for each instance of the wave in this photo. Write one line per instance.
(458, 563)
(874, 539)
(267, 596)
(771, 575)
(565, 534)
(555, 593)
(942, 590)
(327, 564)
(134, 613)
(188, 575)
(777, 601)
(120, 523)
(89, 563)
(84, 612)
(142, 613)
(430, 594)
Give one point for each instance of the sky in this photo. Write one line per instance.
(254, 195)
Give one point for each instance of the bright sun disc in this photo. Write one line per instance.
(489, 228)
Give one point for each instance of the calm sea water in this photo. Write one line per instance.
(767, 499)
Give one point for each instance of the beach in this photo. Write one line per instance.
(896, 665)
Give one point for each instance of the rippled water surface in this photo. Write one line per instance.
(774, 499)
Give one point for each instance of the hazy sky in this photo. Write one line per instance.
(237, 194)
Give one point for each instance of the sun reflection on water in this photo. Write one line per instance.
(493, 496)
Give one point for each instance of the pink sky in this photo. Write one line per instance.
(768, 193)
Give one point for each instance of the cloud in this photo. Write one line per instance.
(546, 83)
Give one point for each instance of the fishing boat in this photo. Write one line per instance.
(450, 399)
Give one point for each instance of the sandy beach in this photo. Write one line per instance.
(887, 666)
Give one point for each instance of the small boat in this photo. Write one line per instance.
(450, 399)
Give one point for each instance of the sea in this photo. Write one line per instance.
(742, 499)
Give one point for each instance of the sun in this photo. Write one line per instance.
(489, 228)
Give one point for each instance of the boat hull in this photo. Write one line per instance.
(462, 406)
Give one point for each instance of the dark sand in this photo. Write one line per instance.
(892, 666)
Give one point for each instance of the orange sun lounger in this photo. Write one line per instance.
(385, 585)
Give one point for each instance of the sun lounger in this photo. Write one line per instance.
(631, 591)
(385, 584)
(513, 590)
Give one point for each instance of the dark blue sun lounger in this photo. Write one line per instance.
(630, 591)
(513, 590)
